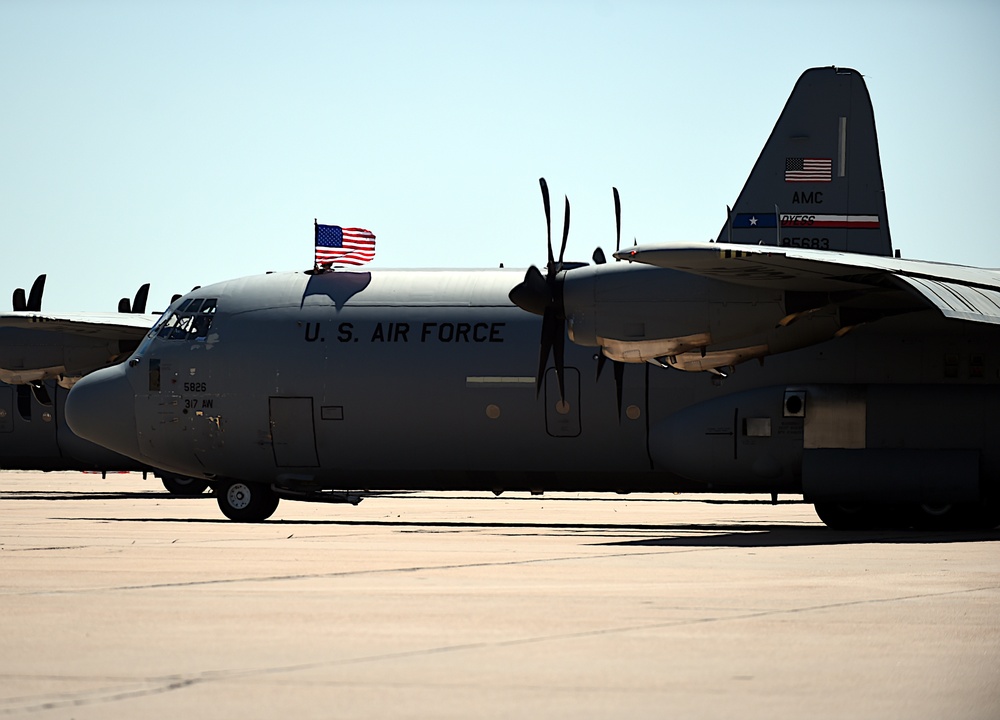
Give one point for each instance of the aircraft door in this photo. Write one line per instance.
(562, 417)
(293, 431)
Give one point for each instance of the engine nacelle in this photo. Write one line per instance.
(690, 322)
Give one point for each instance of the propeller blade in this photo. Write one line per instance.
(174, 298)
(35, 296)
(548, 326)
(19, 303)
(619, 370)
(565, 237)
(618, 220)
(548, 217)
(619, 382)
(124, 306)
(141, 295)
(598, 257)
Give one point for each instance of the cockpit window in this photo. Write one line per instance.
(190, 321)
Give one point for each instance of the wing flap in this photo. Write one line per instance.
(960, 302)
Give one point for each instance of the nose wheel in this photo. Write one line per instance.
(246, 501)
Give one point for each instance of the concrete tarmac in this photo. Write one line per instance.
(119, 600)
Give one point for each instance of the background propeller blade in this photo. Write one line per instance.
(35, 296)
(141, 295)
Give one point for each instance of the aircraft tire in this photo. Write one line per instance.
(843, 517)
(246, 502)
(983, 515)
(860, 516)
(185, 486)
(943, 517)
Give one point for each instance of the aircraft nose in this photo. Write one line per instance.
(101, 408)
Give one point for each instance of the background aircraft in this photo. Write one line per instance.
(871, 390)
(41, 356)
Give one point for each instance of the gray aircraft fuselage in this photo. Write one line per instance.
(426, 379)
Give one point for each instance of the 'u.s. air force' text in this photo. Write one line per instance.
(427, 332)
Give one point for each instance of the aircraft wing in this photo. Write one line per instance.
(110, 326)
(957, 291)
(37, 346)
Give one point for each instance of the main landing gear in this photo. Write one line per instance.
(983, 515)
(246, 501)
(187, 486)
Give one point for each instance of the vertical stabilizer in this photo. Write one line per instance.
(818, 180)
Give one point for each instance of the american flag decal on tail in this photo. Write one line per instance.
(808, 169)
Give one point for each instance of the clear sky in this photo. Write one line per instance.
(183, 143)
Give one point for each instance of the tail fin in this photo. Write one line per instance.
(818, 180)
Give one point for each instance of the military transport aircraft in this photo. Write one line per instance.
(41, 355)
(872, 388)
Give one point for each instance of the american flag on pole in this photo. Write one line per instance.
(336, 245)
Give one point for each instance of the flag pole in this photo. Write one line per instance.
(315, 239)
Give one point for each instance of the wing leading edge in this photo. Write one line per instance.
(956, 291)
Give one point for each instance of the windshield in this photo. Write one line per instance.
(190, 321)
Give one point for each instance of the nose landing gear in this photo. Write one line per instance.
(246, 501)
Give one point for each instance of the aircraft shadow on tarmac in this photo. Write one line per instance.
(743, 535)
(674, 535)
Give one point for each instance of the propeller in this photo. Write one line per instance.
(33, 301)
(138, 305)
(542, 295)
